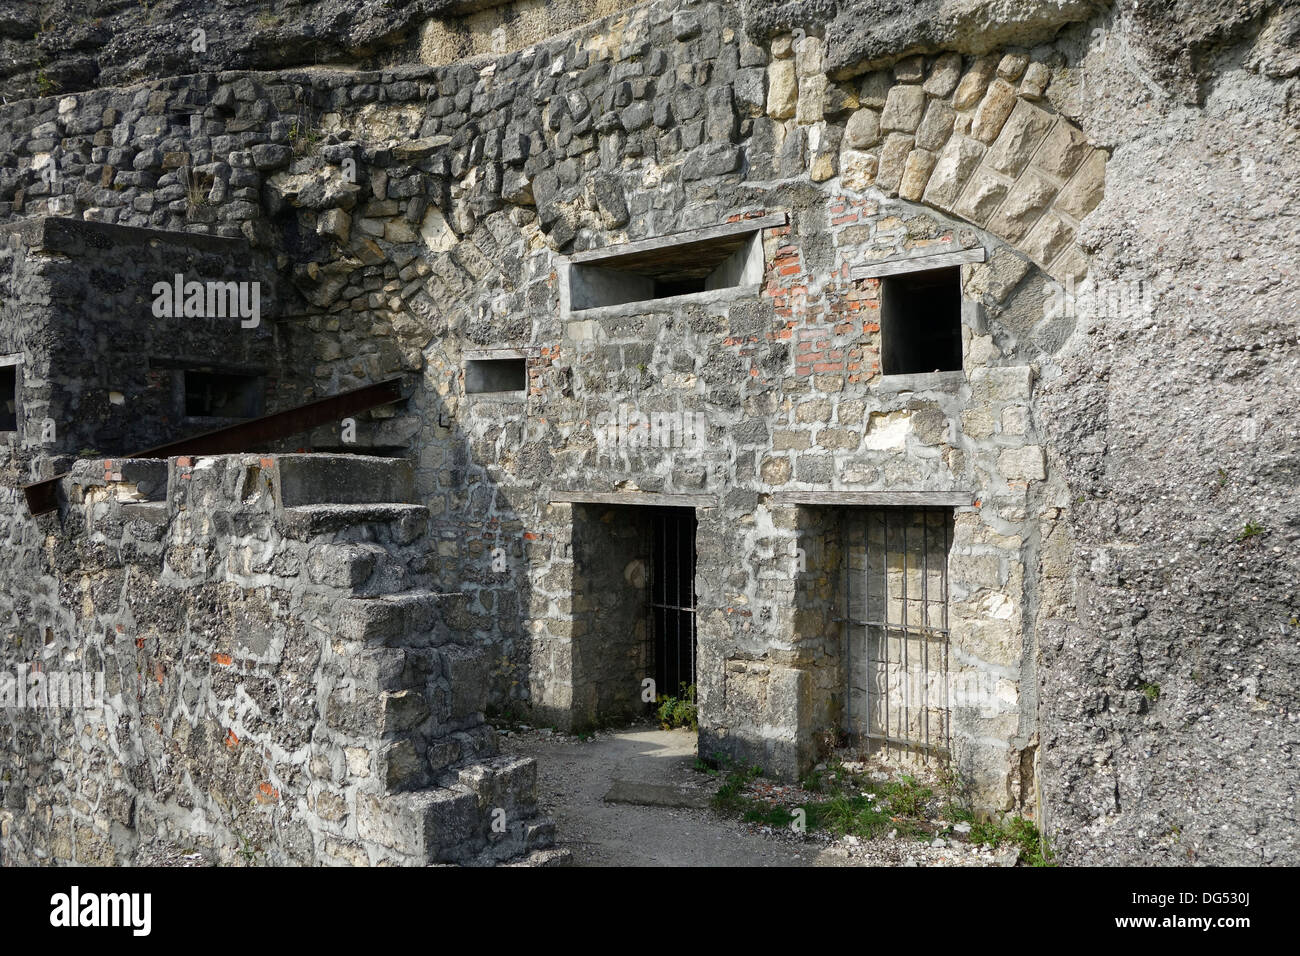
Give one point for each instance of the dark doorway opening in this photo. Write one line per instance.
(671, 598)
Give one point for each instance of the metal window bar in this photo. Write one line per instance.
(880, 537)
(670, 603)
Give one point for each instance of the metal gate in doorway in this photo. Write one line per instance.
(896, 579)
(670, 598)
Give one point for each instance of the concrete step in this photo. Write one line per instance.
(368, 568)
(324, 479)
(488, 818)
(398, 524)
(409, 619)
(508, 783)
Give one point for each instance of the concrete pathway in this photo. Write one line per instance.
(644, 765)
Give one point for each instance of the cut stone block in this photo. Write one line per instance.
(1020, 137)
(959, 158)
(1062, 150)
(1084, 191)
(1024, 204)
(982, 195)
(903, 109)
(993, 111)
(974, 83)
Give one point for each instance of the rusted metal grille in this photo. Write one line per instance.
(670, 598)
(896, 577)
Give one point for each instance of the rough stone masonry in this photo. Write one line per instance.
(547, 218)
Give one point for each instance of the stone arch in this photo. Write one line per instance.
(976, 138)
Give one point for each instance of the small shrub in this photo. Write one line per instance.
(1023, 834)
(678, 711)
(731, 795)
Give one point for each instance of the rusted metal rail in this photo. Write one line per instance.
(252, 435)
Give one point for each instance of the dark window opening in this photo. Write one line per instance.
(920, 322)
(8, 398)
(671, 603)
(217, 395)
(496, 375)
(667, 288)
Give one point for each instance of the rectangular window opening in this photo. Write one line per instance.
(8, 398)
(920, 322)
(688, 263)
(221, 395)
(484, 376)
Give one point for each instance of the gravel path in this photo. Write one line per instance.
(575, 775)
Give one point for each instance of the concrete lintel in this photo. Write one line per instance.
(679, 238)
(645, 499)
(920, 382)
(487, 355)
(915, 499)
(892, 267)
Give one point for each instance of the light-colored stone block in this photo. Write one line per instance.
(1012, 65)
(1020, 137)
(858, 169)
(892, 158)
(935, 126)
(959, 157)
(1023, 464)
(782, 89)
(982, 195)
(1026, 201)
(903, 109)
(1037, 76)
(993, 111)
(916, 173)
(1062, 150)
(944, 75)
(862, 130)
(808, 57)
(1047, 239)
(1084, 191)
(974, 83)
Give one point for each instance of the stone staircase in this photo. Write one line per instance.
(407, 685)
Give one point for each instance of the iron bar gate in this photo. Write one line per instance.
(896, 584)
(670, 598)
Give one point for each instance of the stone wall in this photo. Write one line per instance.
(418, 214)
(97, 362)
(277, 687)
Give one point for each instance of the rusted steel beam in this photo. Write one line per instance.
(252, 435)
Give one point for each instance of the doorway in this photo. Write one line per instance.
(670, 599)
